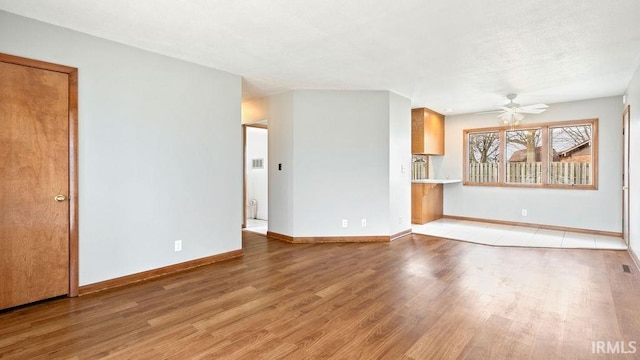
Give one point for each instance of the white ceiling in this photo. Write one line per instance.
(460, 54)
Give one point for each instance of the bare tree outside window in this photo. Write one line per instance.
(484, 156)
(524, 156)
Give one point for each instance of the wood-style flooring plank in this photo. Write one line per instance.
(418, 297)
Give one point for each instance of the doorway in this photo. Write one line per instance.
(38, 188)
(626, 116)
(256, 165)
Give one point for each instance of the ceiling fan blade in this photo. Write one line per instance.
(534, 107)
(489, 112)
(532, 111)
(508, 112)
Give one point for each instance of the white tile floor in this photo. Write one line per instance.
(506, 235)
(257, 226)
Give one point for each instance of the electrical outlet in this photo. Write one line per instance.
(345, 223)
(400, 220)
(364, 222)
(177, 245)
(524, 212)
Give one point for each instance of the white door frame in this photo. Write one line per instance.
(626, 153)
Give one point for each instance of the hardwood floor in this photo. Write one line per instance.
(415, 298)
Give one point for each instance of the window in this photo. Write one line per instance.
(571, 155)
(557, 155)
(483, 155)
(523, 156)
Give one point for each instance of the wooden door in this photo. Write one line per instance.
(34, 183)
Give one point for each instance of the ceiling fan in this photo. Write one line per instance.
(512, 113)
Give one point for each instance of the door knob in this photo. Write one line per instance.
(60, 198)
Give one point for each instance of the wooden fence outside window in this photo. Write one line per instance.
(560, 173)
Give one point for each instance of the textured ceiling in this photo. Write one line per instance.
(463, 55)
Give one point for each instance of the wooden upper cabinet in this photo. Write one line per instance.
(427, 132)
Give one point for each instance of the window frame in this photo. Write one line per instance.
(544, 155)
(465, 180)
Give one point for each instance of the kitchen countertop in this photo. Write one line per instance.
(435, 181)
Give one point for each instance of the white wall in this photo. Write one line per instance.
(585, 209)
(399, 163)
(255, 110)
(633, 99)
(336, 151)
(160, 151)
(280, 181)
(257, 178)
(341, 155)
